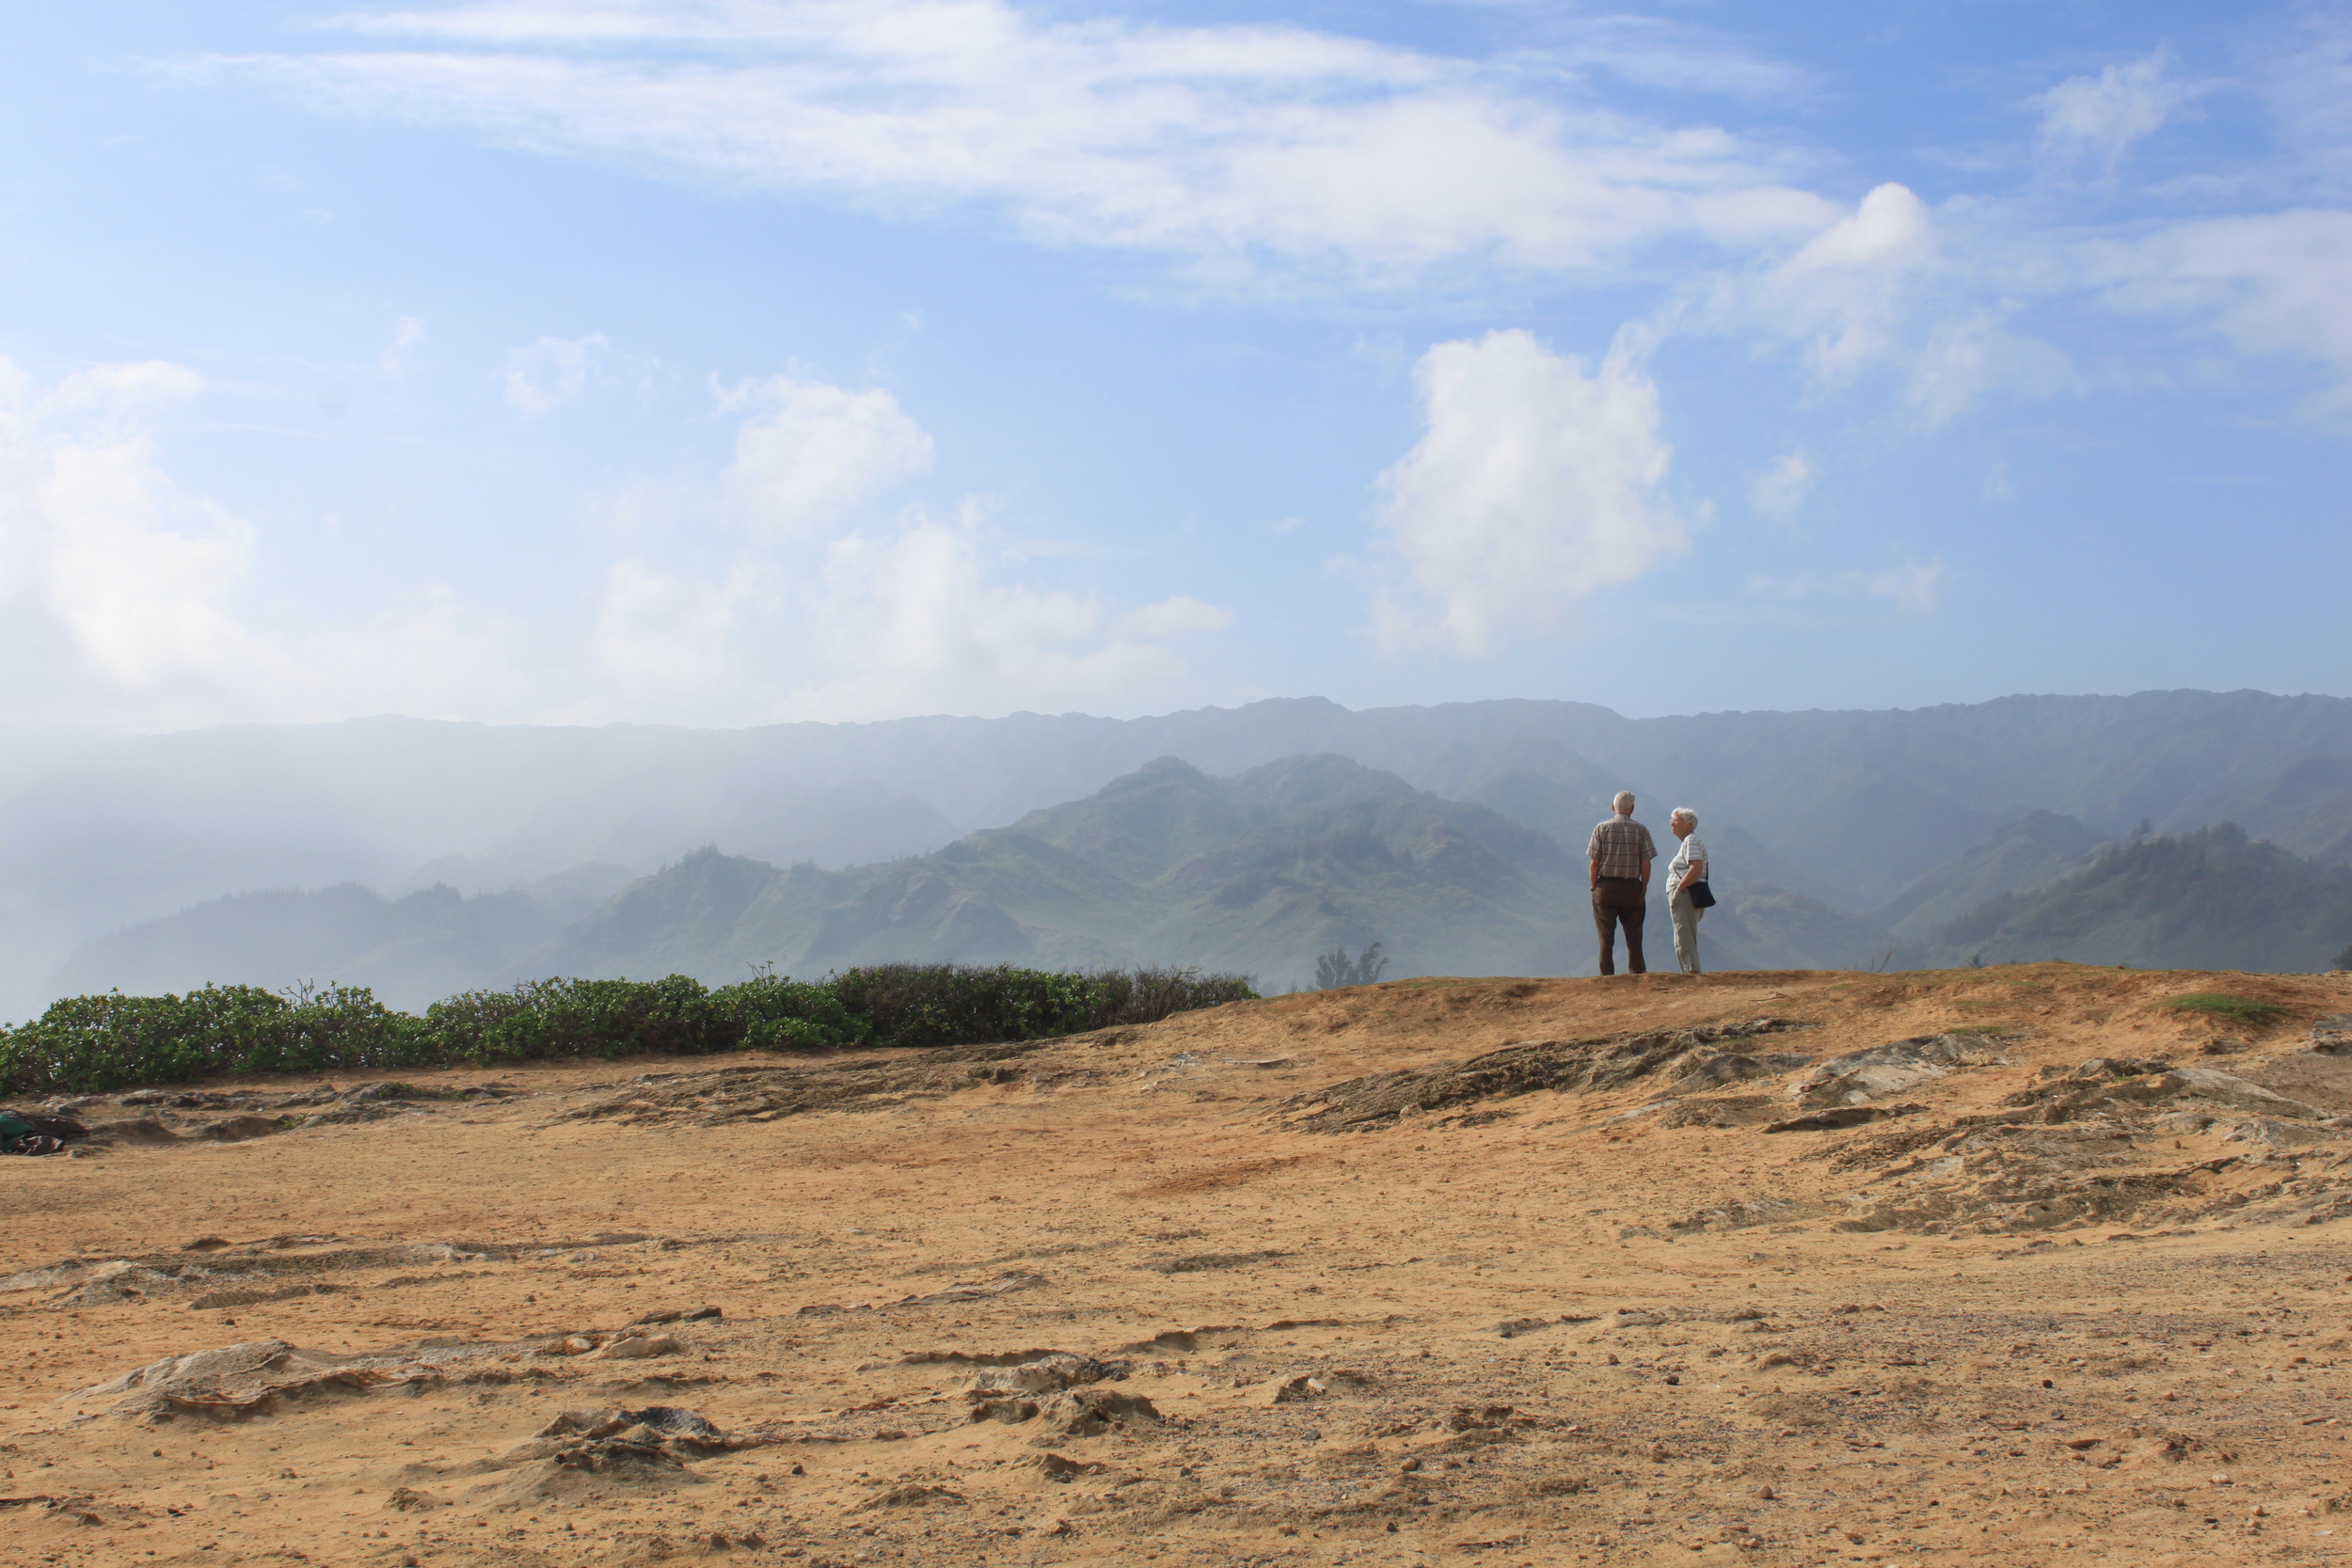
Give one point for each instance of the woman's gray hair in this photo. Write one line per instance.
(1624, 800)
(1684, 814)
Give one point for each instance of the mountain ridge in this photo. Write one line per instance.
(1847, 807)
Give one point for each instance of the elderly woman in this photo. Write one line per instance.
(1689, 865)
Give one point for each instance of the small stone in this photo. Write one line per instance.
(2219, 1480)
(1766, 1492)
(1409, 1467)
(1672, 1381)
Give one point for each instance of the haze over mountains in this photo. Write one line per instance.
(1247, 838)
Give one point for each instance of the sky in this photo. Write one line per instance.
(732, 361)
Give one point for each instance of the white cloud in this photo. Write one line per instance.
(2101, 117)
(1885, 292)
(831, 609)
(1844, 295)
(1914, 587)
(1658, 53)
(1283, 160)
(1536, 484)
(1780, 490)
(115, 393)
(124, 600)
(815, 452)
(552, 370)
(119, 593)
(407, 335)
(1241, 151)
(1175, 616)
(666, 644)
(919, 621)
(2309, 88)
(2271, 287)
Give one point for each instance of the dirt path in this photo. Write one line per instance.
(1576, 1302)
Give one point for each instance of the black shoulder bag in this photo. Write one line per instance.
(1701, 896)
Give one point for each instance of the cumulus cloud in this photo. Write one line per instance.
(1843, 295)
(552, 371)
(120, 590)
(1883, 294)
(1243, 152)
(920, 619)
(837, 607)
(2101, 117)
(664, 644)
(811, 451)
(1535, 484)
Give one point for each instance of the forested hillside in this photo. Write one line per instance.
(2211, 899)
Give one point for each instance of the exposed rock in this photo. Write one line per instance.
(1074, 1413)
(1203, 1262)
(910, 1497)
(764, 1094)
(638, 1346)
(1861, 1076)
(1836, 1116)
(234, 1130)
(1046, 1374)
(1569, 1066)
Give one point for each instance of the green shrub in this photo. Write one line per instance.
(2239, 1009)
(938, 1004)
(92, 1044)
(540, 1018)
(775, 1012)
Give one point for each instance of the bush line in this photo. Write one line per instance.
(94, 1044)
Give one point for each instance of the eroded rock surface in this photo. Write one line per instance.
(2003, 1265)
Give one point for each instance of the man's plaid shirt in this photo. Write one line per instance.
(1622, 847)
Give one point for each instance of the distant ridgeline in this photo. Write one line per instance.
(87, 1044)
(2211, 899)
(1253, 839)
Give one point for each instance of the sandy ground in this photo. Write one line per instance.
(1581, 1309)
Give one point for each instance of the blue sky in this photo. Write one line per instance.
(732, 361)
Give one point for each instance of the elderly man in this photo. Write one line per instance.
(1621, 851)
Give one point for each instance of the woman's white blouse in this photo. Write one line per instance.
(1693, 849)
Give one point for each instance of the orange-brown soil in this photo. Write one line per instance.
(1589, 1300)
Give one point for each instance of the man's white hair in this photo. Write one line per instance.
(1684, 814)
(1624, 802)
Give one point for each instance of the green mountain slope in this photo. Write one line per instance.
(1260, 872)
(2039, 847)
(2211, 899)
(1144, 824)
(1763, 927)
(412, 950)
(1852, 806)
